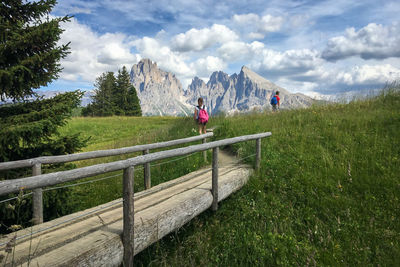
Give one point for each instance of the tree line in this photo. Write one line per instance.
(114, 96)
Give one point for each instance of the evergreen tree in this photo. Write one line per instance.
(29, 59)
(29, 54)
(129, 101)
(133, 107)
(122, 91)
(103, 100)
(114, 96)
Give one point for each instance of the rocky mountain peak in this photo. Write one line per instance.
(159, 91)
(146, 65)
(218, 76)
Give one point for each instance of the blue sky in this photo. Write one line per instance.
(313, 47)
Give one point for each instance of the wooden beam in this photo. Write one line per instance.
(97, 154)
(258, 153)
(205, 151)
(37, 198)
(11, 186)
(128, 219)
(214, 189)
(147, 172)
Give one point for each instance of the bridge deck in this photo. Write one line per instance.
(95, 239)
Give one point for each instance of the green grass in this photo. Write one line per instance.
(116, 132)
(327, 193)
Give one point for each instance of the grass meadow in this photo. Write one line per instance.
(116, 132)
(327, 193)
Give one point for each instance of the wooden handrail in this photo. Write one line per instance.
(15, 185)
(38, 181)
(36, 164)
(97, 154)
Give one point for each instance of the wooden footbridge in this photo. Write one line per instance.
(112, 233)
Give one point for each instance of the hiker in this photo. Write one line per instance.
(201, 115)
(275, 102)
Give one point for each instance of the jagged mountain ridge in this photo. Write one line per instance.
(161, 93)
(241, 92)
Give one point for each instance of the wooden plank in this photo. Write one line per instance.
(78, 224)
(97, 154)
(214, 189)
(37, 198)
(147, 172)
(102, 246)
(258, 153)
(129, 218)
(205, 151)
(11, 186)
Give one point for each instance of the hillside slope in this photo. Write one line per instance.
(328, 193)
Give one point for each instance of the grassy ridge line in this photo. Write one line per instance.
(328, 193)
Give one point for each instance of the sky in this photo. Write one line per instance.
(317, 48)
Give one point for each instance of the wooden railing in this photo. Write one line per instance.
(12, 186)
(36, 165)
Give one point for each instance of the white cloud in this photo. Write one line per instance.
(235, 51)
(286, 63)
(255, 26)
(374, 41)
(75, 7)
(246, 19)
(205, 66)
(198, 40)
(92, 54)
(166, 58)
(367, 74)
(328, 80)
(269, 23)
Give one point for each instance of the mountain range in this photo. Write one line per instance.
(161, 93)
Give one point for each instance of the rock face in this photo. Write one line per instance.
(244, 92)
(160, 92)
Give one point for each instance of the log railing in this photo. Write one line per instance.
(36, 165)
(39, 181)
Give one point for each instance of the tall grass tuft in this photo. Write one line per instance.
(327, 193)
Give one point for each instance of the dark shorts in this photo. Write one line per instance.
(199, 123)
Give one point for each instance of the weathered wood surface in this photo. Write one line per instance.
(37, 199)
(95, 239)
(97, 154)
(12, 186)
(128, 216)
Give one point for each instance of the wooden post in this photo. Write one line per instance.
(258, 153)
(214, 189)
(146, 172)
(205, 151)
(128, 215)
(37, 197)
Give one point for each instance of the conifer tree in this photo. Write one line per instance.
(29, 59)
(133, 108)
(103, 100)
(29, 55)
(114, 96)
(122, 91)
(129, 101)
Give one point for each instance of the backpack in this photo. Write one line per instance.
(203, 115)
(274, 101)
